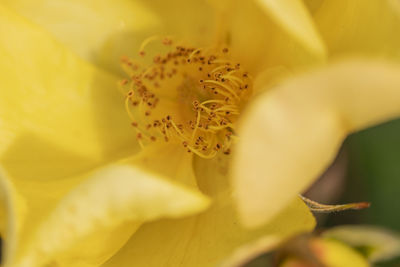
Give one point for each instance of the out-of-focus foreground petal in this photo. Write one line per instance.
(210, 238)
(378, 244)
(108, 30)
(97, 217)
(330, 253)
(292, 133)
(360, 27)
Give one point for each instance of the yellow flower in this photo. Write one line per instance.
(73, 194)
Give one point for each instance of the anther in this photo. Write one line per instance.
(208, 128)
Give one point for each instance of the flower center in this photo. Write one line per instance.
(188, 95)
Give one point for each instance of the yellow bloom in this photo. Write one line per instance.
(73, 194)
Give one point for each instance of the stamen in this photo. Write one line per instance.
(209, 106)
(149, 40)
(223, 86)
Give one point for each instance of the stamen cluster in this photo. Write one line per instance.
(189, 95)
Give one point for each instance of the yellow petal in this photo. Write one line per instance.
(329, 253)
(360, 27)
(95, 219)
(291, 134)
(335, 254)
(293, 16)
(58, 114)
(36, 200)
(209, 238)
(262, 40)
(11, 208)
(169, 160)
(101, 32)
(378, 244)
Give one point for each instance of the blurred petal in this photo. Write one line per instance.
(336, 254)
(293, 16)
(11, 208)
(329, 253)
(56, 111)
(259, 41)
(377, 243)
(101, 31)
(291, 134)
(362, 27)
(209, 238)
(96, 218)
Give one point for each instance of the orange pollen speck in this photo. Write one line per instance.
(192, 96)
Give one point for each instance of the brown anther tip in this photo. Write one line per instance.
(185, 144)
(167, 41)
(147, 113)
(201, 81)
(225, 50)
(227, 152)
(124, 82)
(139, 136)
(168, 117)
(153, 138)
(157, 59)
(134, 124)
(142, 53)
(362, 205)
